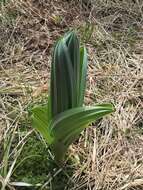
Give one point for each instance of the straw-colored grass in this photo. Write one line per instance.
(107, 156)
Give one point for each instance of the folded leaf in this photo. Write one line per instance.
(65, 123)
(62, 80)
(64, 117)
(67, 126)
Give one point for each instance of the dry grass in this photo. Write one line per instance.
(110, 155)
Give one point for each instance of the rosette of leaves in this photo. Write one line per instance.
(64, 117)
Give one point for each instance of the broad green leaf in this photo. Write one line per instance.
(68, 125)
(73, 46)
(62, 83)
(40, 121)
(59, 147)
(67, 122)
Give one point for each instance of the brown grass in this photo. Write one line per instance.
(109, 155)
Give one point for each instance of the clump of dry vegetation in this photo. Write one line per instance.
(107, 156)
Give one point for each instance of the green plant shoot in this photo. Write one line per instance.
(64, 117)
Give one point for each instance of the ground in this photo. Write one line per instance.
(109, 154)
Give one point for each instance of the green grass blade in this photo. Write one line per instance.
(83, 73)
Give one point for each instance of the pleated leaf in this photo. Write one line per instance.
(73, 46)
(68, 121)
(67, 126)
(64, 117)
(40, 122)
(62, 83)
